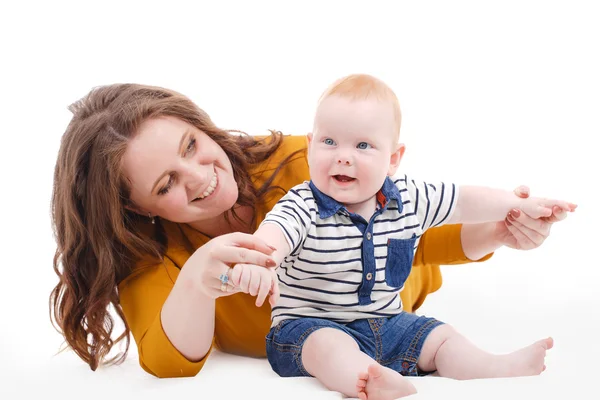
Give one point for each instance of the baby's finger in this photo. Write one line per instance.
(522, 191)
(254, 282)
(263, 290)
(565, 205)
(236, 274)
(274, 297)
(540, 211)
(558, 214)
(245, 279)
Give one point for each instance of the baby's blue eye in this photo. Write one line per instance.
(329, 142)
(363, 145)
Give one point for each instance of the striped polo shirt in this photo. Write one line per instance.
(343, 267)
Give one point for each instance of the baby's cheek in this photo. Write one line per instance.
(323, 163)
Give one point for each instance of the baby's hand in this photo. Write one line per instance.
(537, 207)
(257, 281)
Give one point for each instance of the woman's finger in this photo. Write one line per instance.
(230, 290)
(217, 287)
(240, 255)
(534, 237)
(249, 242)
(521, 240)
(541, 226)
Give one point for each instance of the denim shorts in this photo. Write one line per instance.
(394, 342)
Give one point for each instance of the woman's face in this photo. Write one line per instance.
(178, 173)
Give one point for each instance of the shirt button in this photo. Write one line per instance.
(368, 235)
(369, 276)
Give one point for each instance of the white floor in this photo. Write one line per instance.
(501, 305)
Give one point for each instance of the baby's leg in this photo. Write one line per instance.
(454, 356)
(335, 359)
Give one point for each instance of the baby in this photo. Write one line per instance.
(345, 243)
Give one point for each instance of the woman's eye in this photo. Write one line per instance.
(363, 145)
(166, 188)
(191, 146)
(329, 142)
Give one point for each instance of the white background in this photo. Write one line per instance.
(494, 93)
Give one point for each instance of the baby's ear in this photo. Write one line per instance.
(395, 159)
(309, 137)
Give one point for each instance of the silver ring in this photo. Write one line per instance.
(224, 278)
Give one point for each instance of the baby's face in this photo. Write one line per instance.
(352, 148)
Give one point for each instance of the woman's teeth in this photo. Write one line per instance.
(210, 189)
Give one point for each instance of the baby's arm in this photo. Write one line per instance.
(284, 228)
(478, 204)
(273, 235)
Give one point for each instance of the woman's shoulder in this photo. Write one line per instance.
(290, 157)
(294, 146)
(291, 143)
(287, 167)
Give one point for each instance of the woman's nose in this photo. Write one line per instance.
(197, 176)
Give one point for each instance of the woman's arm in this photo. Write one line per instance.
(142, 297)
(171, 313)
(479, 240)
(188, 318)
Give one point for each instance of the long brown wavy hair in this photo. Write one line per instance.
(98, 239)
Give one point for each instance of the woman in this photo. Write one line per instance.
(152, 204)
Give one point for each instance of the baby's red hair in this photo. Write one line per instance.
(362, 87)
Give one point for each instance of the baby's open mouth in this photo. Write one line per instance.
(343, 178)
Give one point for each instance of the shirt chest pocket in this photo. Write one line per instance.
(400, 254)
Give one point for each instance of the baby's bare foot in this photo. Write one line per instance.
(527, 361)
(380, 383)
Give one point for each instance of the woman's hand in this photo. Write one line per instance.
(521, 231)
(517, 231)
(210, 265)
(188, 314)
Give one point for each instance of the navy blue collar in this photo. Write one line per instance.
(328, 206)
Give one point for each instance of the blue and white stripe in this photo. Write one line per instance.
(322, 275)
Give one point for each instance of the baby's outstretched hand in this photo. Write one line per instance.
(257, 281)
(537, 207)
